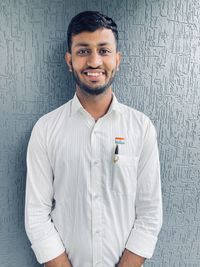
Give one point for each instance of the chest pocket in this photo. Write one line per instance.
(124, 175)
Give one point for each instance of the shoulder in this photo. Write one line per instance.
(140, 126)
(136, 117)
(53, 118)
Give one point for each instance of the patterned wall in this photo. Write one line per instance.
(159, 75)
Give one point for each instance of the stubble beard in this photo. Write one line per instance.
(93, 90)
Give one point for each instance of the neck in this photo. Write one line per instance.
(96, 105)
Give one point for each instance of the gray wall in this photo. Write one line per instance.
(159, 75)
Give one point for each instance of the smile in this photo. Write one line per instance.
(94, 74)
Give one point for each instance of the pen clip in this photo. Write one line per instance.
(116, 154)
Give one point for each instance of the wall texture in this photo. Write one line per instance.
(159, 75)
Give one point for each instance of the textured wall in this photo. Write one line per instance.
(159, 75)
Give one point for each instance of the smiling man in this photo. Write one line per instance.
(95, 60)
(93, 192)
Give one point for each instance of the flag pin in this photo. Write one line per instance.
(119, 140)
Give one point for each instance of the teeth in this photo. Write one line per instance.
(94, 73)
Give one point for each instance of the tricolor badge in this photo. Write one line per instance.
(119, 140)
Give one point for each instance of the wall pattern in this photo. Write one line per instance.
(159, 75)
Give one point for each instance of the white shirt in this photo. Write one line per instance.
(100, 207)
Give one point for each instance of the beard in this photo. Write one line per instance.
(93, 90)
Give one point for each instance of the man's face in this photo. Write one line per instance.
(94, 60)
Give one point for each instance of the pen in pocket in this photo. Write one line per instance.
(116, 154)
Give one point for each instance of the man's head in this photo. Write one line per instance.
(92, 51)
(89, 21)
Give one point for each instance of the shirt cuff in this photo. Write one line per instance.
(48, 249)
(142, 244)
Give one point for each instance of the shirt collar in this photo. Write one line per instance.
(76, 105)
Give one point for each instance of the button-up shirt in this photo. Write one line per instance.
(85, 198)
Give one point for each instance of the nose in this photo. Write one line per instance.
(94, 60)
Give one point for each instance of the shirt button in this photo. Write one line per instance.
(96, 162)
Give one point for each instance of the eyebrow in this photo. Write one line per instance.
(86, 45)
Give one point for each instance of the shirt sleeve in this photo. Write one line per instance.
(45, 240)
(143, 236)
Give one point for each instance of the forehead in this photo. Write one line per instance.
(96, 38)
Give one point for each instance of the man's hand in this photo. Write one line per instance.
(60, 261)
(130, 259)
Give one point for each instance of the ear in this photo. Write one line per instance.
(68, 59)
(118, 59)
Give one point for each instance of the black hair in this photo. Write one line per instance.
(89, 21)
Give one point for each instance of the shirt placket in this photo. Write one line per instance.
(96, 197)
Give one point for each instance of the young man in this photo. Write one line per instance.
(93, 193)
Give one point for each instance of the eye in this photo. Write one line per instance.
(104, 51)
(83, 52)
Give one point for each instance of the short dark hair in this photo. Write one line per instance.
(90, 21)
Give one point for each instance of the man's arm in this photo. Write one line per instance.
(148, 202)
(130, 259)
(44, 237)
(60, 261)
